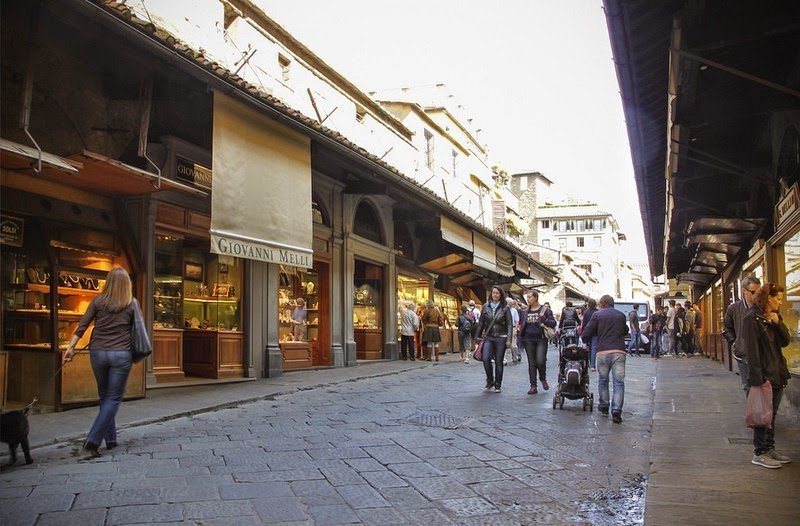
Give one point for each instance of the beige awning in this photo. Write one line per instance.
(456, 234)
(505, 262)
(484, 254)
(261, 189)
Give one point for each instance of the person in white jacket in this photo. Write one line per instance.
(409, 324)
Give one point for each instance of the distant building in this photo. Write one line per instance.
(589, 235)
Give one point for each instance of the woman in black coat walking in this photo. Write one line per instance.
(497, 327)
(763, 335)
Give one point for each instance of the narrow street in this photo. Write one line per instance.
(425, 446)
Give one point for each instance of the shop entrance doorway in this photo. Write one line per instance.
(367, 310)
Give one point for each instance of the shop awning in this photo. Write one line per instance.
(504, 262)
(261, 189)
(484, 253)
(18, 157)
(112, 178)
(456, 234)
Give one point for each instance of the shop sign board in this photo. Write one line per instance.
(12, 230)
(789, 204)
(232, 245)
(193, 172)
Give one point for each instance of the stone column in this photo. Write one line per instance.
(336, 307)
(348, 284)
(390, 309)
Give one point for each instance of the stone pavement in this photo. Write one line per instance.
(700, 471)
(423, 446)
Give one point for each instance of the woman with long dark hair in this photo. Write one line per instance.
(763, 335)
(109, 353)
(497, 328)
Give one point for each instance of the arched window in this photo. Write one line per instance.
(319, 214)
(367, 224)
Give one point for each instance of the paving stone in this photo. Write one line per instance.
(317, 492)
(125, 497)
(190, 494)
(382, 517)
(285, 475)
(365, 464)
(437, 488)
(391, 454)
(211, 510)
(254, 490)
(342, 476)
(449, 463)
(92, 517)
(469, 507)
(403, 498)
(425, 516)
(415, 470)
(15, 492)
(437, 452)
(383, 479)
(280, 510)
(337, 452)
(362, 496)
(147, 514)
(336, 514)
(473, 475)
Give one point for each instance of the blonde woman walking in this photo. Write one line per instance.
(109, 352)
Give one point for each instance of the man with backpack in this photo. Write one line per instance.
(465, 326)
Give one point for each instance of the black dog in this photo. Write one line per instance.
(14, 431)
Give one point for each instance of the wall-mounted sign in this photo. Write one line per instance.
(194, 173)
(789, 204)
(12, 230)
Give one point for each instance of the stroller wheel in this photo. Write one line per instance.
(591, 403)
(555, 398)
(561, 403)
(585, 403)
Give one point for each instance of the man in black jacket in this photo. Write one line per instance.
(734, 317)
(610, 327)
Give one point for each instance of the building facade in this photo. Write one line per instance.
(207, 151)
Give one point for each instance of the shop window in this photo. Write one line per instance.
(545, 223)
(791, 304)
(579, 241)
(367, 306)
(48, 278)
(195, 289)
(298, 305)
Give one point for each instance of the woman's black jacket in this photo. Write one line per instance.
(764, 341)
(504, 326)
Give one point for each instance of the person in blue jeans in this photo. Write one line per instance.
(610, 327)
(591, 308)
(109, 353)
(497, 327)
(656, 329)
(633, 323)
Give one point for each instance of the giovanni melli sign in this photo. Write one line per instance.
(249, 248)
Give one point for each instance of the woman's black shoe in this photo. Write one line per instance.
(111, 445)
(489, 385)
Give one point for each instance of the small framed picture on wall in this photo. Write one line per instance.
(192, 271)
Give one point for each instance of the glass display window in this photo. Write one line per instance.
(411, 289)
(298, 305)
(367, 296)
(194, 288)
(48, 282)
(449, 306)
(790, 261)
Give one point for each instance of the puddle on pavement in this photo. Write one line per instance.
(621, 507)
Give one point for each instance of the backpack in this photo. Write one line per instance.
(466, 324)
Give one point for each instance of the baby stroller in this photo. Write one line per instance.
(573, 376)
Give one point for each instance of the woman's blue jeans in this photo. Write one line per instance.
(111, 370)
(494, 347)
